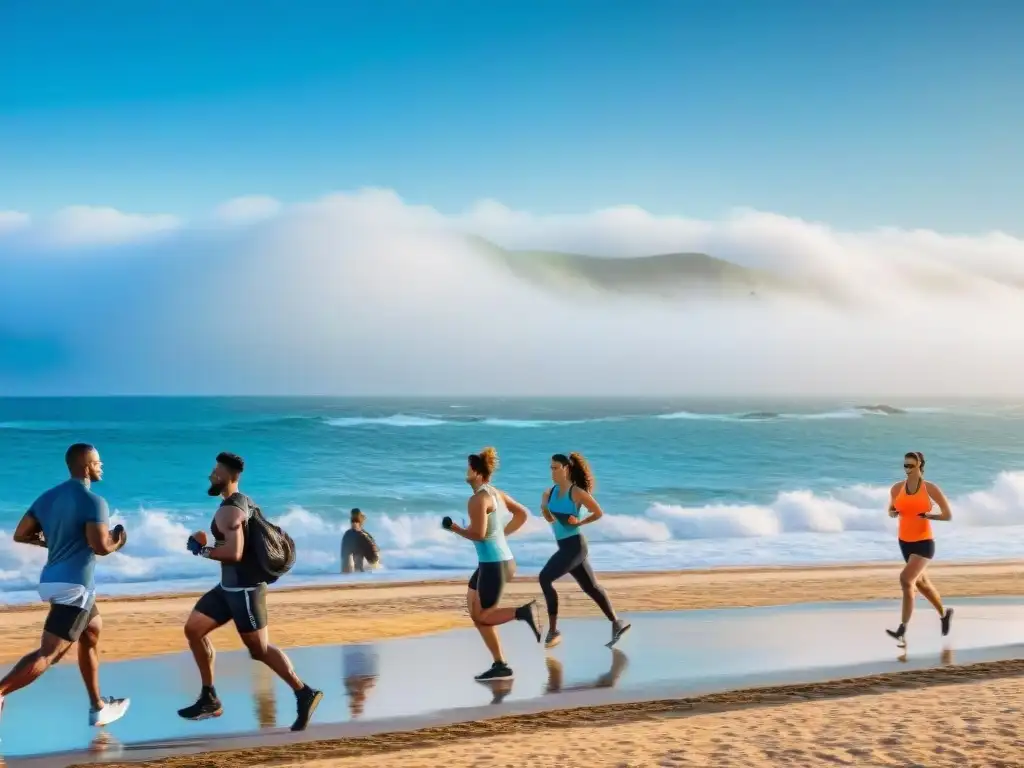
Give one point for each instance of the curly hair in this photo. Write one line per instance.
(484, 463)
(580, 473)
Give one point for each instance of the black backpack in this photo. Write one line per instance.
(268, 548)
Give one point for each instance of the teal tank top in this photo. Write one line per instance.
(560, 508)
(494, 547)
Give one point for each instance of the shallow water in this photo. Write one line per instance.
(664, 654)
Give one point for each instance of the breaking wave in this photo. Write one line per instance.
(796, 527)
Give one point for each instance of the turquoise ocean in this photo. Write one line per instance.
(684, 483)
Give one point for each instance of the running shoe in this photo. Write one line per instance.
(306, 702)
(947, 619)
(109, 710)
(619, 628)
(499, 671)
(528, 613)
(899, 635)
(206, 706)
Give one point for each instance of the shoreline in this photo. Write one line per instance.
(463, 578)
(138, 626)
(619, 731)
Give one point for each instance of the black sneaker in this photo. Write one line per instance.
(899, 634)
(619, 628)
(306, 702)
(206, 707)
(528, 613)
(554, 638)
(499, 671)
(947, 619)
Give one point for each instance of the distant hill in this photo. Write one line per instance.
(665, 275)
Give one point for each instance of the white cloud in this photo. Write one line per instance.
(13, 220)
(89, 226)
(248, 209)
(363, 293)
(83, 226)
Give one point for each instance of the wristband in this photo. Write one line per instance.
(205, 552)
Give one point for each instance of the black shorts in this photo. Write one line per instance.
(68, 622)
(489, 580)
(925, 549)
(247, 608)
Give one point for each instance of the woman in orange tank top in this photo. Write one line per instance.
(911, 501)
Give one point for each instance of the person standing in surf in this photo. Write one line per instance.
(489, 507)
(561, 505)
(911, 500)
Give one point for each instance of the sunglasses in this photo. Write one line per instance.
(910, 466)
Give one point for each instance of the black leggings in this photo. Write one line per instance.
(571, 558)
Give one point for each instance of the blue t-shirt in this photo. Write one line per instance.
(63, 512)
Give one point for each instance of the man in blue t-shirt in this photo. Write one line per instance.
(71, 522)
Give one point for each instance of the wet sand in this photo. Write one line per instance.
(139, 627)
(955, 716)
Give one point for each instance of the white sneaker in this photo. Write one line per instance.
(112, 709)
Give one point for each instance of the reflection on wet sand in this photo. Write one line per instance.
(556, 672)
(499, 689)
(360, 668)
(423, 676)
(106, 743)
(946, 657)
(264, 699)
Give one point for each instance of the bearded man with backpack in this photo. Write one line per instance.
(252, 553)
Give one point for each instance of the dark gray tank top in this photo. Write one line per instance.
(243, 574)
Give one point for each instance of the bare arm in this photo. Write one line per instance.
(477, 529)
(585, 499)
(229, 522)
(893, 493)
(519, 514)
(100, 539)
(939, 498)
(544, 498)
(29, 531)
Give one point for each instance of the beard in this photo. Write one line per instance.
(215, 489)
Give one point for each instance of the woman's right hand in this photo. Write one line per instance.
(893, 513)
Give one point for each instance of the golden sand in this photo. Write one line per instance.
(956, 716)
(136, 627)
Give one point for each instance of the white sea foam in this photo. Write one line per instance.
(797, 526)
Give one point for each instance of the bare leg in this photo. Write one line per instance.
(495, 617)
(197, 629)
(908, 578)
(487, 631)
(31, 667)
(931, 594)
(261, 650)
(89, 660)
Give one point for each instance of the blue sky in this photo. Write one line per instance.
(905, 113)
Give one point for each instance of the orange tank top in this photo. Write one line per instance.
(910, 505)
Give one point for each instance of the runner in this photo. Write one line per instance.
(488, 508)
(71, 523)
(561, 506)
(911, 501)
(240, 597)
